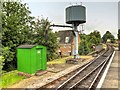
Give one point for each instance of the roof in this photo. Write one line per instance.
(26, 46)
(63, 34)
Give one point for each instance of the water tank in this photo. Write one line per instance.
(75, 14)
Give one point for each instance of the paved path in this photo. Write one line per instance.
(112, 80)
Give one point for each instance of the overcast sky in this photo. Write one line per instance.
(119, 15)
(101, 16)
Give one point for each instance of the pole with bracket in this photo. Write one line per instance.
(75, 41)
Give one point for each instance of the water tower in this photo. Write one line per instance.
(75, 15)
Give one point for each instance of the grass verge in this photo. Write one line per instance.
(58, 61)
(62, 60)
(10, 78)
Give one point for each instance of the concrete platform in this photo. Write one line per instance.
(112, 78)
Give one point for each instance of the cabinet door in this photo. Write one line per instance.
(39, 59)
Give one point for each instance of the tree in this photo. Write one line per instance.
(84, 45)
(87, 41)
(95, 37)
(119, 38)
(43, 35)
(16, 26)
(109, 36)
(119, 34)
(1, 64)
(83, 48)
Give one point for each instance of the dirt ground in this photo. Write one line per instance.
(53, 71)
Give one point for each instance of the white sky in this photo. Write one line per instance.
(101, 16)
(119, 15)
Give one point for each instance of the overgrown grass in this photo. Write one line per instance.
(62, 60)
(58, 61)
(10, 78)
(115, 45)
(104, 46)
(86, 57)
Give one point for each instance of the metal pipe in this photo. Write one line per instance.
(75, 41)
(75, 51)
(61, 26)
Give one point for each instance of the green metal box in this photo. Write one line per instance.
(31, 58)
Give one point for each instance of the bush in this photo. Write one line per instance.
(119, 34)
(83, 48)
(87, 41)
(1, 63)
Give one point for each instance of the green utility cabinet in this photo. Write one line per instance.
(31, 58)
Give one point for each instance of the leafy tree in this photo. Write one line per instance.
(16, 22)
(87, 41)
(83, 48)
(96, 34)
(43, 35)
(84, 45)
(95, 37)
(18, 27)
(1, 64)
(119, 34)
(107, 36)
(83, 36)
(119, 37)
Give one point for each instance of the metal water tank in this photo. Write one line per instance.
(75, 14)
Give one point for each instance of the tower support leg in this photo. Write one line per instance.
(76, 42)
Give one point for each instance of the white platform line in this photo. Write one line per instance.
(105, 73)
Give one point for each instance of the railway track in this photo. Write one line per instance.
(84, 77)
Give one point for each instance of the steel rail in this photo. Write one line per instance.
(99, 73)
(101, 64)
(87, 75)
(92, 61)
(79, 72)
(101, 53)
